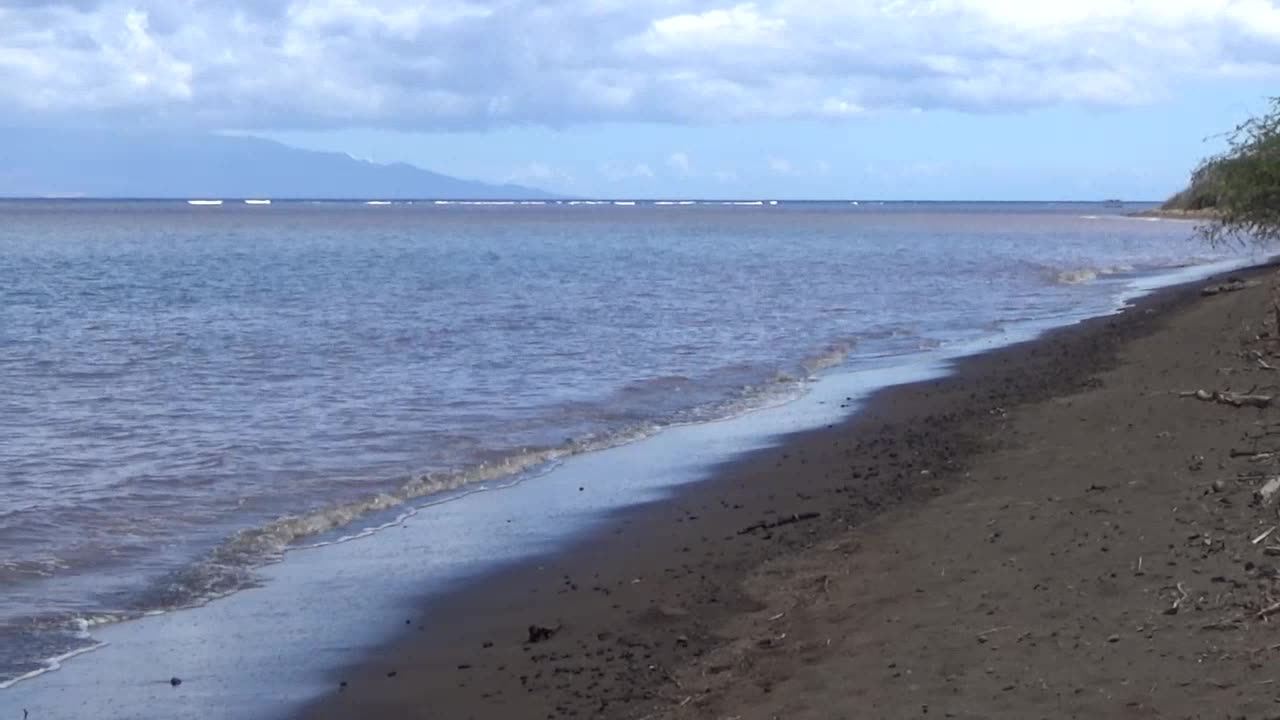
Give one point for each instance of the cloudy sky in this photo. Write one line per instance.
(1020, 99)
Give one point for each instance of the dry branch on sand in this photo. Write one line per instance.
(1268, 611)
(1260, 359)
(801, 517)
(1230, 398)
(1232, 285)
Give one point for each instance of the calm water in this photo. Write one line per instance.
(185, 392)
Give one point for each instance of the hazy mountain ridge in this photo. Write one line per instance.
(112, 164)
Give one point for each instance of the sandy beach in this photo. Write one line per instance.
(1054, 530)
(639, 361)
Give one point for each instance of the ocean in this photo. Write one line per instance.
(189, 392)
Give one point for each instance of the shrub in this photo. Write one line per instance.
(1242, 185)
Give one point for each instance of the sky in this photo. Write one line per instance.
(776, 99)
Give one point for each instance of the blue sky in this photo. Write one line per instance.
(1054, 153)
(895, 99)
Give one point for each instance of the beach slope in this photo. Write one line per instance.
(1055, 530)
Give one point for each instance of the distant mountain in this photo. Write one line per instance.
(112, 164)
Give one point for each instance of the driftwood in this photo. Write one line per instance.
(1259, 358)
(1232, 285)
(1253, 456)
(1275, 303)
(1229, 398)
(779, 523)
(1183, 596)
(1267, 492)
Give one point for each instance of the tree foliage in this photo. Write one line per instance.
(1242, 184)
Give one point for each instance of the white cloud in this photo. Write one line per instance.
(536, 173)
(907, 171)
(924, 169)
(435, 64)
(782, 166)
(742, 26)
(680, 162)
(618, 173)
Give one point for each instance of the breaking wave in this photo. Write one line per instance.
(232, 565)
(54, 638)
(835, 354)
(1084, 275)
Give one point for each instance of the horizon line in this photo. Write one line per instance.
(550, 201)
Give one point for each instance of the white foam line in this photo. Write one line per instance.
(51, 665)
(521, 476)
(511, 481)
(505, 478)
(412, 511)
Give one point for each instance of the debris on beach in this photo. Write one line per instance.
(1267, 493)
(1231, 285)
(1229, 398)
(538, 633)
(800, 517)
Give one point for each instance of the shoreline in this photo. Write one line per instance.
(324, 609)
(645, 600)
(1175, 214)
(275, 495)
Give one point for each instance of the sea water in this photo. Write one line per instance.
(188, 392)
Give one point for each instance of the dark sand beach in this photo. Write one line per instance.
(1051, 531)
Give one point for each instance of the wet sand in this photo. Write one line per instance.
(1051, 531)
